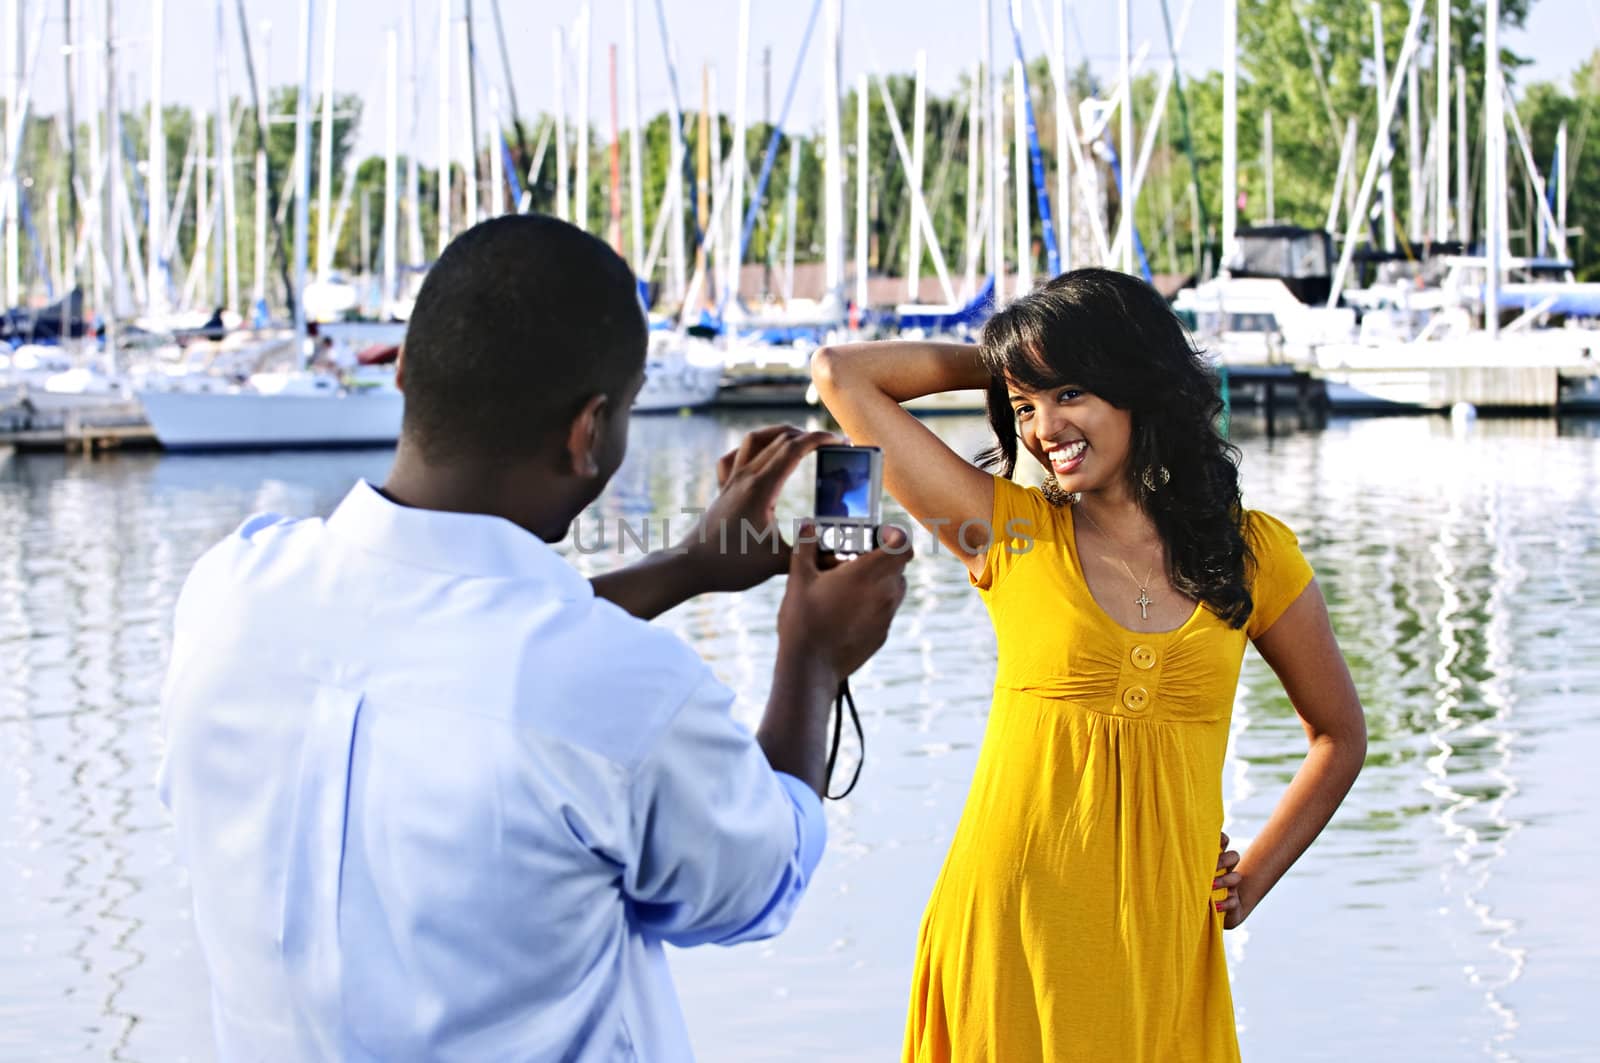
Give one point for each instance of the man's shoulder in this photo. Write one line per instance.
(628, 678)
(258, 536)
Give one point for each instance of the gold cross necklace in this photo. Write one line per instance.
(1144, 600)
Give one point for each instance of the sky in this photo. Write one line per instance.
(880, 35)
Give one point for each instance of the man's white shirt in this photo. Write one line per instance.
(438, 801)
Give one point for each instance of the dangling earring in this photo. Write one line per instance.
(1155, 477)
(1054, 494)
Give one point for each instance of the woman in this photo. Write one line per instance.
(1080, 910)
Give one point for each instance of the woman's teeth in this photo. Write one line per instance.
(1065, 459)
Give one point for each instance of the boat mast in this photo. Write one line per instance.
(919, 121)
(973, 234)
(1441, 194)
(635, 141)
(1463, 170)
(1560, 177)
(70, 54)
(677, 161)
(791, 202)
(414, 250)
(225, 175)
(1416, 165)
(205, 217)
(511, 86)
(474, 138)
(1063, 134)
(580, 203)
(94, 223)
(919, 205)
(113, 185)
(444, 124)
(302, 197)
(615, 152)
(1230, 126)
(741, 89)
(833, 175)
(713, 236)
(12, 205)
(558, 68)
(156, 179)
(259, 288)
(702, 176)
(1019, 155)
(994, 196)
(1493, 169)
(1270, 206)
(261, 102)
(474, 194)
(325, 163)
(1125, 150)
(863, 104)
(1389, 98)
(1347, 154)
(1386, 181)
(496, 203)
(391, 206)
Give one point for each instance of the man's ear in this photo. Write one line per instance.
(400, 369)
(583, 438)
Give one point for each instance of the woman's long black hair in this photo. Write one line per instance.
(1115, 336)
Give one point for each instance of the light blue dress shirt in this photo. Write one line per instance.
(440, 802)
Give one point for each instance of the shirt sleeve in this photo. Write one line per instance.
(724, 846)
(1281, 571)
(1023, 518)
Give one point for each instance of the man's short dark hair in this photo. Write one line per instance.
(521, 320)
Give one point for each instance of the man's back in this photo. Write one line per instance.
(441, 802)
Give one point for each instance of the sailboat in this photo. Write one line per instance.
(277, 410)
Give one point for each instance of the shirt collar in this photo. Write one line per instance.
(471, 544)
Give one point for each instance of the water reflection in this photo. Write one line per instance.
(1443, 915)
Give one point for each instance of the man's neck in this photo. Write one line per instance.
(514, 492)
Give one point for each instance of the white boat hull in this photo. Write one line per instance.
(249, 420)
(677, 385)
(358, 334)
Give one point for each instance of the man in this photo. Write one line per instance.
(442, 797)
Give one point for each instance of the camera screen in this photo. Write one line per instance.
(844, 483)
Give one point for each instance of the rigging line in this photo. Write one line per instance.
(1188, 139)
(1047, 225)
(1316, 73)
(770, 154)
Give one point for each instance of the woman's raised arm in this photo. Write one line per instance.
(863, 385)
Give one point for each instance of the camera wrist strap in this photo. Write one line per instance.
(844, 699)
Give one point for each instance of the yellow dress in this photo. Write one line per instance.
(1074, 917)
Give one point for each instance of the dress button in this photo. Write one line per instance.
(1135, 699)
(1143, 657)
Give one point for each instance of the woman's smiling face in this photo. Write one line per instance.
(1079, 437)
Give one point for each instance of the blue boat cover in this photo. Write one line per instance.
(1580, 300)
(974, 313)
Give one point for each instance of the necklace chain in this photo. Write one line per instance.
(1144, 600)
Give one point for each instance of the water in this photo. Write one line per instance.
(1446, 914)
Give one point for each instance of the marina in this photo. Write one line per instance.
(1433, 267)
(1376, 223)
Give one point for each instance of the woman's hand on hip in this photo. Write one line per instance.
(1235, 907)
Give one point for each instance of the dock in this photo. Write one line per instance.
(117, 426)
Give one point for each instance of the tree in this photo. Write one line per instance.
(1544, 108)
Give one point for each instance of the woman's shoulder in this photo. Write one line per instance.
(1026, 510)
(1279, 570)
(1264, 531)
(1024, 519)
